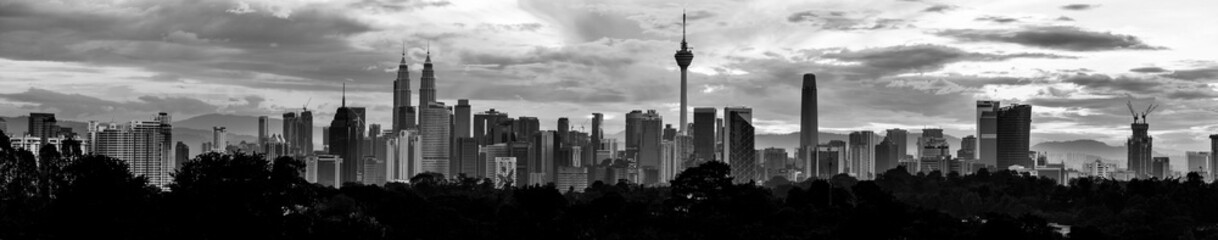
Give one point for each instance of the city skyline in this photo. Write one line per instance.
(1069, 106)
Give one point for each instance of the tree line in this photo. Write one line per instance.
(244, 196)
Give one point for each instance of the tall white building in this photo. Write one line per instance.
(862, 154)
(219, 139)
(402, 154)
(144, 145)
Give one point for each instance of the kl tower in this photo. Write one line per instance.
(684, 57)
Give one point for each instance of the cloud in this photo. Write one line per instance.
(940, 8)
(1064, 19)
(81, 106)
(1205, 73)
(1052, 37)
(846, 21)
(397, 5)
(996, 19)
(924, 57)
(1148, 70)
(1100, 84)
(1079, 7)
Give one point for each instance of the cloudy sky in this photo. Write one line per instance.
(881, 64)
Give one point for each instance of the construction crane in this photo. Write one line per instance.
(306, 105)
(1151, 108)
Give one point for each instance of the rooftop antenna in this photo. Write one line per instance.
(344, 95)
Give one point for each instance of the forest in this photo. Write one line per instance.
(244, 196)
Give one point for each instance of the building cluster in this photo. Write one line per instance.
(429, 136)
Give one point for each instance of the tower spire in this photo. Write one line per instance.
(428, 60)
(403, 53)
(684, 46)
(344, 95)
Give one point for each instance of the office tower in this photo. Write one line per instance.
(3, 126)
(264, 126)
(427, 84)
(571, 179)
(403, 111)
(402, 154)
(541, 167)
(181, 154)
(704, 135)
(374, 171)
(862, 154)
(434, 128)
(674, 154)
(462, 123)
(684, 57)
(466, 156)
(143, 145)
(900, 139)
(522, 151)
(1213, 156)
(1160, 167)
(830, 159)
(886, 155)
(564, 128)
(669, 132)
(525, 127)
(968, 146)
(634, 130)
(486, 159)
(719, 131)
(486, 126)
(1199, 162)
(933, 151)
(987, 132)
(1014, 127)
(504, 172)
(809, 128)
(326, 170)
(775, 161)
(42, 126)
(345, 140)
(298, 132)
(597, 134)
(1140, 147)
(738, 150)
(219, 139)
(649, 134)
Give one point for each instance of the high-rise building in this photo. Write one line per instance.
(298, 133)
(968, 147)
(522, 151)
(1199, 162)
(1140, 147)
(649, 135)
(403, 111)
(1014, 128)
(374, 171)
(486, 126)
(181, 154)
(830, 159)
(862, 154)
(43, 126)
(596, 136)
(669, 132)
(704, 135)
(564, 128)
(434, 128)
(809, 125)
(466, 157)
(900, 139)
(504, 172)
(1160, 167)
(887, 155)
(403, 155)
(542, 167)
(933, 152)
(987, 132)
(345, 140)
(427, 84)
(144, 145)
(525, 127)
(738, 150)
(219, 139)
(4, 126)
(462, 123)
(1213, 156)
(684, 57)
(775, 162)
(486, 157)
(325, 169)
(264, 127)
(571, 179)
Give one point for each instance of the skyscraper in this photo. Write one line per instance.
(462, 123)
(987, 132)
(968, 146)
(862, 154)
(525, 127)
(564, 126)
(649, 136)
(403, 111)
(684, 57)
(181, 154)
(298, 133)
(264, 126)
(43, 126)
(900, 140)
(634, 131)
(669, 132)
(141, 144)
(434, 128)
(219, 139)
(1140, 147)
(887, 155)
(1014, 128)
(542, 168)
(704, 135)
(1198, 162)
(345, 140)
(1160, 167)
(1213, 157)
(466, 156)
(738, 150)
(427, 84)
(808, 123)
(596, 137)
(486, 126)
